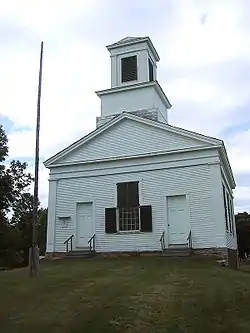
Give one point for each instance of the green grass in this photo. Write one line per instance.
(143, 294)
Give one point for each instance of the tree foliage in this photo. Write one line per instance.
(16, 200)
(242, 221)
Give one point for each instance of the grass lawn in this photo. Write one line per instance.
(141, 294)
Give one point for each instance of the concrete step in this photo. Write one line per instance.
(178, 246)
(82, 248)
(78, 251)
(176, 252)
(79, 254)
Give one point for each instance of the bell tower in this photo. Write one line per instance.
(133, 60)
(134, 85)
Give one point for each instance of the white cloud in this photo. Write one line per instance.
(239, 152)
(43, 185)
(195, 38)
(45, 16)
(206, 32)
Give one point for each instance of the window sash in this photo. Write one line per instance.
(229, 213)
(225, 206)
(128, 219)
(232, 212)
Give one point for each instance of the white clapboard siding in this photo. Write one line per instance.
(195, 181)
(127, 138)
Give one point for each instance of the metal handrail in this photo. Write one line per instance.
(67, 243)
(189, 239)
(90, 241)
(162, 240)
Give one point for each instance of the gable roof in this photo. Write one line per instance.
(170, 128)
(134, 40)
(112, 122)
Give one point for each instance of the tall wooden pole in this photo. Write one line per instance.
(34, 251)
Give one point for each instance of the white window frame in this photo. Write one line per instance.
(127, 55)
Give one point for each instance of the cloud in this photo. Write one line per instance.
(238, 150)
(204, 69)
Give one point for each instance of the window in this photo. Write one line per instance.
(231, 215)
(129, 68)
(128, 206)
(128, 215)
(225, 206)
(129, 219)
(150, 70)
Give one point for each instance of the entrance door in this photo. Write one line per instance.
(84, 223)
(178, 221)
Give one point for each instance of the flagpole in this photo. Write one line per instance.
(34, 251)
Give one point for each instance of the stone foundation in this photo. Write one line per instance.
(129, 254)
(217, 253)
(229, 255)
(54, 255)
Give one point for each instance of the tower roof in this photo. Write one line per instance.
(134, 40)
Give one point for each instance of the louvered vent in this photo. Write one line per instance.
(151, 70)
(129, 68)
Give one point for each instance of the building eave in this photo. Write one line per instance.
(139, 156)
(162, 94)
(124, 88)
(226, 163)
(136, 41)
(146, 84)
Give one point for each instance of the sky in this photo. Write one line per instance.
(204, 46)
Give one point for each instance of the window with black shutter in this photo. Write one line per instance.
(128, 206)
(129, 68)
(150, 70)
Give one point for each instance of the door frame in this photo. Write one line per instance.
(166, 221)
(84, 201)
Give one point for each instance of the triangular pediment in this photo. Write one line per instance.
(129, 135)
(129, 40)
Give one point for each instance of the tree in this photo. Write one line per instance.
(15, 233)
(22, 219)
(242, 221)
(42, 230)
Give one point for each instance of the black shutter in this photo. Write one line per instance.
(146, 218)
(132, 194)
(110, 220)
(129, 68)
(121, 195)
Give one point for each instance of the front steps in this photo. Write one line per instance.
(178, 250)
(80, 253)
